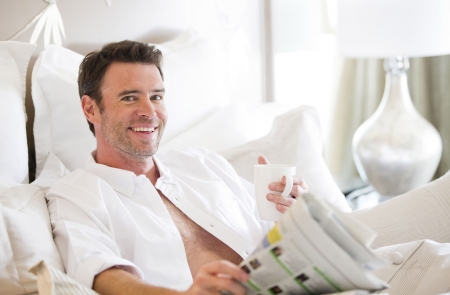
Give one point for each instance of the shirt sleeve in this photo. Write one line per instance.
(81, 230)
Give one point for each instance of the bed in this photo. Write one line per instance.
(219, 43)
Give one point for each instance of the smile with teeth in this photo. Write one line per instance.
(143, 129)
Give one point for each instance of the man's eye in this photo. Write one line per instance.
(156, 97)
(128, 98)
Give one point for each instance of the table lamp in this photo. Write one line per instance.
(396, 149)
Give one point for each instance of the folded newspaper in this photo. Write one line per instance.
(314, 249)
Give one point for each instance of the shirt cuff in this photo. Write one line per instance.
(88, 269)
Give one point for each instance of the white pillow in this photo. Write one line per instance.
(14, 58)
(51, 281)
(53, 170)
(25, 231)
(26, 238)
(295, 139)
(417, 268)
(229, 127)
(422, 213)
(194, 77)
(193, 73)
(59, 123)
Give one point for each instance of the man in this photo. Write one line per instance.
(136, 223)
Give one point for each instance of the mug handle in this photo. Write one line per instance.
(289, 185)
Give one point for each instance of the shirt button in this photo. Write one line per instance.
(396, 258)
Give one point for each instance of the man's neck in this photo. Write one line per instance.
(145, 166)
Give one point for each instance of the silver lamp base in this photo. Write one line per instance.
(396, 149)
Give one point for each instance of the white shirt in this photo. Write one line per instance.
(103, 216)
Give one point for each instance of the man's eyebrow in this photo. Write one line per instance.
(125, 92)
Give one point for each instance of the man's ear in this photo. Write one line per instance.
(90, 109)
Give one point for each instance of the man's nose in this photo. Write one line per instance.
(146, 108)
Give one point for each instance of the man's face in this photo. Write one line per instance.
(132, 111)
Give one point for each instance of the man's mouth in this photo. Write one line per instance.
(144, 129)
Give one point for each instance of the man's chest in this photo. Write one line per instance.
(200, 245)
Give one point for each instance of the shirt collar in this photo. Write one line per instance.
(124, 181)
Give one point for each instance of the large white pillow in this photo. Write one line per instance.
(422, 213)
(26, 238)
(25, 231)
(52, 281)
(416, 268)
(59, 123)
(295, 139)
(14, 58)
(193, 73)
(229, 127)
(194, 77)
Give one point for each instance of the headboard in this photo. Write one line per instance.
(236, 24)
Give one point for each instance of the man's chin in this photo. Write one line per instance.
(141, 149)
(142, 154)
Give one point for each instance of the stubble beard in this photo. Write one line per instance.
(116, 135)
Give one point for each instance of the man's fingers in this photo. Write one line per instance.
(219, 275)
(280, 200)
(284, 203)
(228, 284)
(262, 160)
(296, 191)
(207, 283)
(282, 208)
(224, 267)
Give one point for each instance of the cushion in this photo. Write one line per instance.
(295, 139)
(53, 170)
(229, 127)
(193, 75)
(26, 238)
(59, 122)
(14, 58)
(25, 231)
(422, 213)
(52, 281)
(418, 267)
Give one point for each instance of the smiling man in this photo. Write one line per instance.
(136, 223)
(131, 116)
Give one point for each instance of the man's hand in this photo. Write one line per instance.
(211, 278)
(283, 204)
(217, 276)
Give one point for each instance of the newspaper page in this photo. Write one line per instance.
(313, 249)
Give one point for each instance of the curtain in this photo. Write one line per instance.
(360, 87)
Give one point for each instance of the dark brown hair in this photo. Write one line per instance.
(94, 66)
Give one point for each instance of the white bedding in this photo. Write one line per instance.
(25, 231)
(14, 58)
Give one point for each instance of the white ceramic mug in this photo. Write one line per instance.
(264, 175)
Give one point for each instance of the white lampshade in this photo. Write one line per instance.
(295, 24)
(386, 28)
